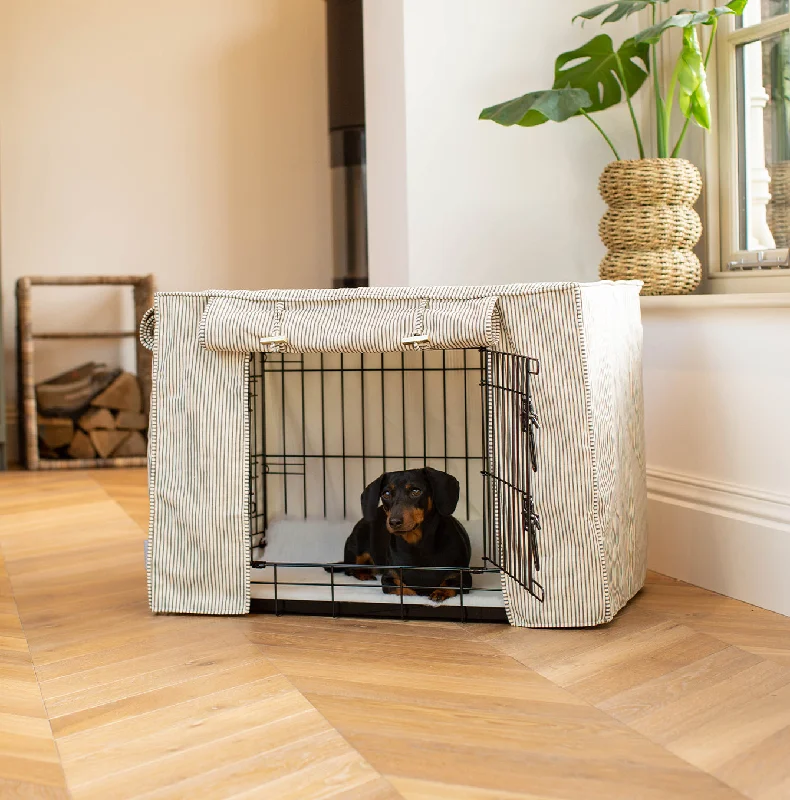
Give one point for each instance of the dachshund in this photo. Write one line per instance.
(413, 527)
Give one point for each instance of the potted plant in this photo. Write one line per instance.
(651, 225)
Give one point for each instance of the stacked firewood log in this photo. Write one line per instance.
(91, 412)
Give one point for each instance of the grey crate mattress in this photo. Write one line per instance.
(321, 541)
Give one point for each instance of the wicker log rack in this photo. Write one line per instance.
(143, 296)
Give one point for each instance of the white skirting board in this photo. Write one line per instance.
(720, 537)
(322, 541)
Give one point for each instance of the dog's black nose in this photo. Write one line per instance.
(395, 522)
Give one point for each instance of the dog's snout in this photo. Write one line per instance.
(396, 521)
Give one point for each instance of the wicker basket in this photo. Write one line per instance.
(651, 225)
(778, 211)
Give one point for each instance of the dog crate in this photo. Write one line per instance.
(272, 410)
(323, 426)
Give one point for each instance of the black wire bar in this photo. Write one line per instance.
(322, 425)
(510, 441)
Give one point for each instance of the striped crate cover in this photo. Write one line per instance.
(591, 492)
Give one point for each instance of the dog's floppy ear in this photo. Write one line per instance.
(445, 490)
(370, 498)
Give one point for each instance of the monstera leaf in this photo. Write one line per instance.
(693, 97)
(618, 9)
(599, 69)
(652, 34)
(535, 108)
(686, 19)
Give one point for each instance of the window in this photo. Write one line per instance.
(754, 112)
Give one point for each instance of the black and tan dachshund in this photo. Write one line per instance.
(412, 527)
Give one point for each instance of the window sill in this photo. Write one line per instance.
(693, 302)
(749, 281)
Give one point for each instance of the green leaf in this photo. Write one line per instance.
(595, 68)
(535, 108)
(686, 19)
(619, 9)
(692, 81)
(652, 34)
(737, 6)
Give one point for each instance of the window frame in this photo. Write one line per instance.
(722, 159)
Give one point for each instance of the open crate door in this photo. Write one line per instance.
(511, 523)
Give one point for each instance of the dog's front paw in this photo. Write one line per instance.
(391, 584)
(442, 594)
(364, 575)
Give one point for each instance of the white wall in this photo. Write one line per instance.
(718, 443)
(187, 138)
(483, 204)
(385, 133)
(453, 200)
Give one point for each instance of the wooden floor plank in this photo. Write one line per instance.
(685, 695)
(29, 760)
(507, 727)
(141, 704)
(662, 669)
(413, 789)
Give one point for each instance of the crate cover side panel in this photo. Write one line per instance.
(198, 555)
(613, 346)
(547, 326)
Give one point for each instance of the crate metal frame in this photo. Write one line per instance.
(507, 464)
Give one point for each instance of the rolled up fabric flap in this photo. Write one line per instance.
(454, 324)
(357, 325)
(235, 324)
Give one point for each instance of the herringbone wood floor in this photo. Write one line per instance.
(685, 695)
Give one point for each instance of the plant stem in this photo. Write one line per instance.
(670, 100)
(601, 131)
(661, 131)
(661, 138)
(676, 148)
(621, 78)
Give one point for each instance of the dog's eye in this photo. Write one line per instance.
(386, 493)
(415, 492)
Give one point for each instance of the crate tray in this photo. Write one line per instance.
(320, 541)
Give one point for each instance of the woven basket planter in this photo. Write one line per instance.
(651, 225)
(778, 211)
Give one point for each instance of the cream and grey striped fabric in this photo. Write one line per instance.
(198, 555)
(359, 324)
(590, 489)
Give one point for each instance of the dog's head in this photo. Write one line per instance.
(409, 497)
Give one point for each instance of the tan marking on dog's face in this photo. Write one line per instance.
(412, 519)
(413, 536)
(388, 496)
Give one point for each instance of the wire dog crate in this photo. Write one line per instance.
(590, 490)
(324, 425)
